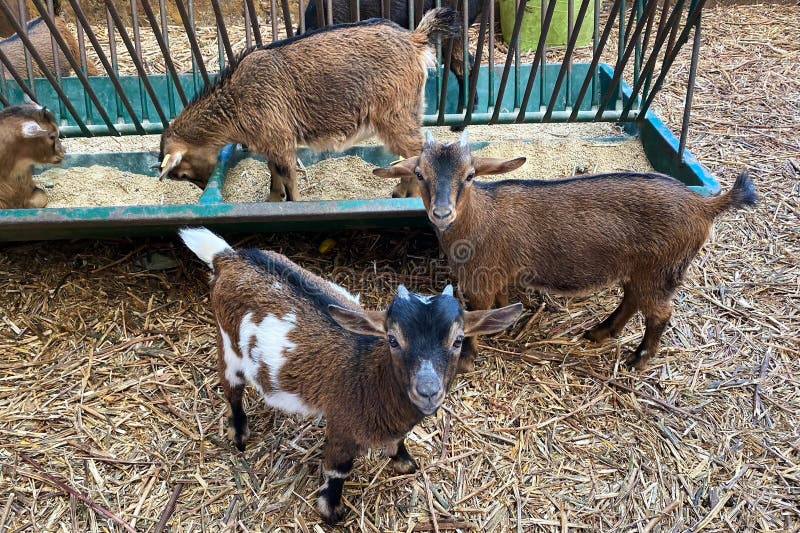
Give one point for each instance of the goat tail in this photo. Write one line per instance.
(742, 194)
(442, 21)
(205, 244)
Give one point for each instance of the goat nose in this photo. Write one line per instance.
(442, 211)
(428, 386)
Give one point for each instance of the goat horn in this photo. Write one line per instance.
(448, 291)
(429, 137)
(464, 138)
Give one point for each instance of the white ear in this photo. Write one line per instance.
(448, 291)
(403, 293)
(31, 128)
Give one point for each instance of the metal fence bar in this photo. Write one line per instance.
(490, 4)
(50, 14)
(42, 65)
(567, 63)
(592, 72)
(24, 31)
(537, 59)
(163, 44)
(301, 8)
(287, 18)
(507, 68)
(11, 70)
(59, 39)
(136, 61)
(223, 30)
(615, 84)
(188, 24)
(112, 50)
(687, 107)
(253, 16)
(120, 97)
(473, 82)
(137, 45)
(649, 67)
(273, 6)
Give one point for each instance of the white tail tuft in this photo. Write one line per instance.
(204, 243)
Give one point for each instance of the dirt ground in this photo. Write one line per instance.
(111, 417)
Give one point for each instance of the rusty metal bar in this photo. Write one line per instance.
(74, 64)
(509, 58)
(386, 9)
(537, 59)
(687, 107)
(273, 18)
(573, 38)
(164, 46)
(649, 67)
(287, 18)
(329, 17)
(320, 13)
(619, 69)
(110, 70)
(139, 67)
(473, 82)
(253, 15)
(302, 10)
(223, 30)
(43, 66)
(592, 72)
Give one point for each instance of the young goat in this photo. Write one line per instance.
(567, 236)
(308, 347)
(28, 135)
(342, 12)
(326, 89)
(39, 34)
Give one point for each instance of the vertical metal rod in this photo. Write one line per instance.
(41, 64)
(85, 68)
(137, 63)
(273, 15)
(410, 13)
(473, 82)
(248, 29)
(251, 9)
(121, 98)
(24, 30)
(49, 21)
(329, 5)
(50, 13)
(287, 18)
(112, 49)
(162, 38)
(591, 73)
(137, 44)
(665, 13)
(568, 55)
(188, 25)
(320, 13)
(595, 42)
(637, 58)
(465, 52)
(302, 11)
(491, 95)
(543, 29)
(509, 58)
(620, 47)
(564, 70)
(517, 80)
(223, 30)
(386, 9)
(687, 107)
(649, 67)
(538, 59)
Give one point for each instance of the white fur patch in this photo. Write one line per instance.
(277, 285)
(205, 244)
(424, 299)
(270, 342)
(334, 474)
(403, 293)
(344, 292)
(233, 363)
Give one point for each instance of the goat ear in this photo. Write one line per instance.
(491, 321)
(372, 323)
(31, 128)
(169, 163)
(485, 166)
(402, 169)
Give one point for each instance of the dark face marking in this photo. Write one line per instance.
(445, 170)
(428, 332)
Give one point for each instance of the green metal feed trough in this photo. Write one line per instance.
(558, 92)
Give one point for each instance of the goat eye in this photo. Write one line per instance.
(470, 175)
(418, 174)
(393, 341)
(458, 341)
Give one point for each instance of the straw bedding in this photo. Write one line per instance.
(109, 403)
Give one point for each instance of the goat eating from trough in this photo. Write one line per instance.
(569, 236)
(308, 347)
(28, 135)
(326, 89)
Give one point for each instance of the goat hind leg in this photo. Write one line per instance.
(612, 326)
(238, 430)
(277, 190)
(656, 321)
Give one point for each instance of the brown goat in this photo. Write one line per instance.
(6, 28)
(568, 236)
(326, 89)
(308, 347)
(39, 34)
(28, 135)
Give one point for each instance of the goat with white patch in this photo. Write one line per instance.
(308, 347)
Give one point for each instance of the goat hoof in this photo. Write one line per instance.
(330, 514)
(596, 334)
(638, 360)
(406, 465)
(239, 438)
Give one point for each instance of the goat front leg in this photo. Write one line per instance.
(612, 326)
(402, 461)
(336, 466)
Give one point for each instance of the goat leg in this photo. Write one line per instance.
(655, 324)
(402, 461)
(336, 466)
